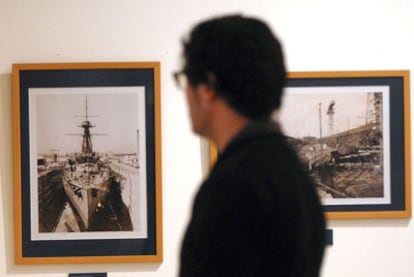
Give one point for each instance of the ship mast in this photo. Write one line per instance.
(86, 125)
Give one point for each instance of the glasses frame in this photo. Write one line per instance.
(180, 79)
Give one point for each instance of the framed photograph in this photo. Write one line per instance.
(87, 162)
(352, 131)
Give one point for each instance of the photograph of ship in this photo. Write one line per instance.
(90, 170)
(341, 137)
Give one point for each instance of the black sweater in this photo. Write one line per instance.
(257, 214)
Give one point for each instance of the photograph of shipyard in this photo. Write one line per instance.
(88, 167)
(341, 136)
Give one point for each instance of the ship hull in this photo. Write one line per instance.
(87, 189)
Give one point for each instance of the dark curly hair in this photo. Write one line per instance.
(242, 59)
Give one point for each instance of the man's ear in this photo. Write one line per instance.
(211, 80)
(206, 94)
(210, 92)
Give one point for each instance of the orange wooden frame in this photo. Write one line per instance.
(19, 258)
(405, 76)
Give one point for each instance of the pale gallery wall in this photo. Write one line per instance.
(317, 35)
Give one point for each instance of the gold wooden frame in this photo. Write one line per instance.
(154, 238)
(344, 78)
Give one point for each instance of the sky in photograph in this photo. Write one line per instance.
(299, 115)
(57, 113)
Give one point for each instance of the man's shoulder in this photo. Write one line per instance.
(270, 148)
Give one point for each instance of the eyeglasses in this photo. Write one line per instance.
(180, 79)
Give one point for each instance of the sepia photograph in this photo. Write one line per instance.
(90, 172)
(341, 136)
